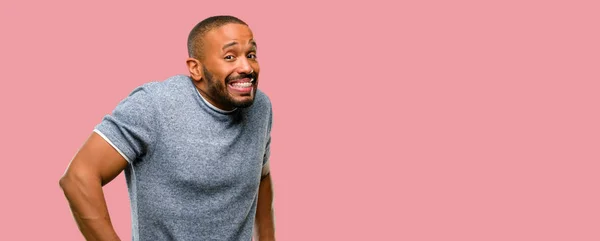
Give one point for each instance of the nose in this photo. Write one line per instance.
(244, 66)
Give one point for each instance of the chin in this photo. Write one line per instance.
(242, 102)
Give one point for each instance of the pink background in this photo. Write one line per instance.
(436, 120)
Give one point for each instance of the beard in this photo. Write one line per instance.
(219, 92)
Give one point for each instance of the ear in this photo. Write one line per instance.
(195, 68)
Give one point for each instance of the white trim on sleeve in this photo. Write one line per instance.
(266, 169)
(113, 145)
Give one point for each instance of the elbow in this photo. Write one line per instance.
(65, 182)
(61, 182)
(72, 181)
(66, 185)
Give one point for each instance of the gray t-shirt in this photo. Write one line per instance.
(193, 170)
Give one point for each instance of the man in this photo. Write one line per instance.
(195, 149)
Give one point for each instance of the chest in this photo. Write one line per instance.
(209, 156)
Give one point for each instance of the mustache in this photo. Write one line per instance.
(252, 75)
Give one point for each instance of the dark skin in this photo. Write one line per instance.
(96, 164)
(229, 54)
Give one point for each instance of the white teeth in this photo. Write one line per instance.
(242, 85)
(252, 80)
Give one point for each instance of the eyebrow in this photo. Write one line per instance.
(235, 43)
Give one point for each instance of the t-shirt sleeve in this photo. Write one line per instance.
(131, 127)
(266, 159)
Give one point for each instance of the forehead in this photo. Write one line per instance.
(232, 32)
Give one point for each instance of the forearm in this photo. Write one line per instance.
(88, 206)
(265, 223)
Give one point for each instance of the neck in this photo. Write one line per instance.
(211, 103)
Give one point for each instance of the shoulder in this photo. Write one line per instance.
(262, 108)
(262, 100)
(170, 89)
(168, 86)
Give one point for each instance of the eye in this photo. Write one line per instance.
(229, 57)
(251, 56)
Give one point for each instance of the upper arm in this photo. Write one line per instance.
(119, 139)
(96, 160)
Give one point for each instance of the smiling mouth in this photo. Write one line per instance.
(242, 85)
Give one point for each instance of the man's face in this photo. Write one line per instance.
(229, 66)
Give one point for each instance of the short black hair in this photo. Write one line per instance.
(194, 42)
